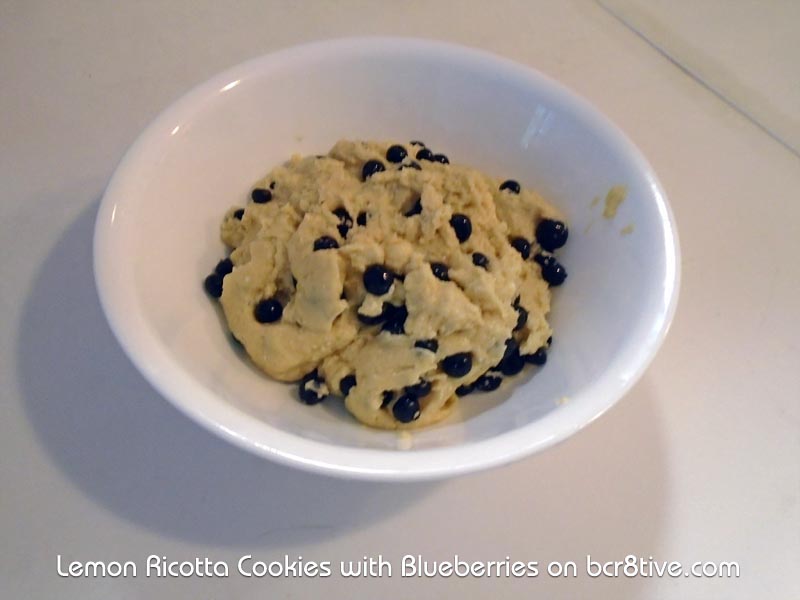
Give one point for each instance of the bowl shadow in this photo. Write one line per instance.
(118, 441)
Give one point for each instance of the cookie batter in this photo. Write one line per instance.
(382, 274)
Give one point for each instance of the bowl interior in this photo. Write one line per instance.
(158, 236)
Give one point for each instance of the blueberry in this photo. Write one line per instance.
(521, 319)
(378, 279)
(463, 390)
(395, 319)
(306, 389)
(396, 154)
(272, 185)
(487, 383)
(512, 365)
(345, 221)
(372, 320)
(551, 234)
(412, 165)
(522, 246)
(223, 267)
(361, 219)
(552, 271)
(480, 260)
(386, 398)
(462, 226)
(347, 383)
(424, 154)
(268, 310)
(441, 158)
(420, 389)
(213, 285)
(261, 195)
(416, 209)
(431, 345)
(537, 358)
(238, 214)
(417, 143)
(510, 185)
(512, 362)
(370, 168)
(406, 409)
(440, 271)
(457, 365)
(325, 242)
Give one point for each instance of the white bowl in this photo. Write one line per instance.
(157, 236)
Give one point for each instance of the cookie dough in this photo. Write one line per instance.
(457, 294)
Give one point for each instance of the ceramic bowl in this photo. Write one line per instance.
(157, 236)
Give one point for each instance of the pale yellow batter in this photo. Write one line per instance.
(322, 292)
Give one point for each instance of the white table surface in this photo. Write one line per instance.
(699, 462)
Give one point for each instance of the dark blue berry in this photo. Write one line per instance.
(537, 358)
(551, 234)
(386, 398)
(406, 409)
(510, 185)
(480, 260)
(512, 365)
(552, 271)
(417, 143)
(370, 168)
(272, 185)
(431, 345)
(424, 154)
(396, 154)
(395, 319)
(521, 319)
(522, 246)
(261, 195)
(238, 214)
(347, 383)
(440, 271)
(378, 279)
(306, 389)
(411, 165)
(213, 285)
(462, 226)
(361, 219)
(223, 267)
(325, 242)
(487, 383)
(268, 310)
(512, 362)
(420, 389)
(416, 209)
(457, 365)
(372, 320)
(441, 158)
(463, 390)
(345, 221)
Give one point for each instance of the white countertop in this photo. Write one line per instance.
(699, 462)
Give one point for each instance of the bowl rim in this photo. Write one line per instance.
(152, 360)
